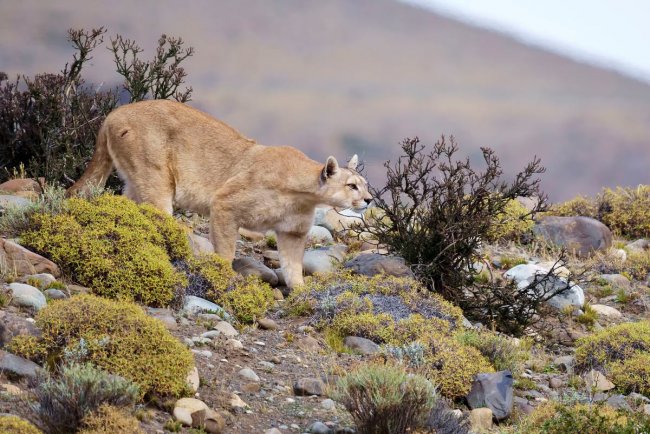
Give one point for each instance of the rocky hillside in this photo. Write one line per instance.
(95, 289)
(341, 77)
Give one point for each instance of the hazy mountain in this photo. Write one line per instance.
(343, 76)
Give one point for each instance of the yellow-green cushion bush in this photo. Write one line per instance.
(10, 424)
(613, 344)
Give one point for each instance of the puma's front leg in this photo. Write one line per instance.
(291, 247)
(223, 233)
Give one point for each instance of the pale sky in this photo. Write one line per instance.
(611, 33)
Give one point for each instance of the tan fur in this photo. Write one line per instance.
(170, 154)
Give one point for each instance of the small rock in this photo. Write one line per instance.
(236, 403)
(55, 294)
(581, 235)
(27, 296)
(10, 201)
(235, 344)
(323, 260)
(309, 387)
(480, 420)
(44, 279)
(251, 267)
(525, 274)
(596, 381)
(209, 420)
(319, 234)
(165, 315)
(308, 343)
(277, 294)
(361, 345)
(267, 324)
(617, 280)
(184, 408)
(319, 428)
(607, 311)
(372, 264)
(12, 390)
(565, 363)
(249, 374)
(556, 383)
(640, 245)
(193, 379)
(21, 184)
(226, 329)
(260, 343)
(267, 365)
(646, 409)
(273, 431)
(328, 404)
(204, 353)
(195, 305)
(211, 334)
(251, 387)
(199, 245)
(12, 325)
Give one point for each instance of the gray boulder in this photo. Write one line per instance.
(323, 260)
(195, 305)
(17, 366)
(9, 201)
(27, 296)
(361, 345)
(371, 264)
(525, 274)
(251, 267)
(12, 325)
(581, 235)
(494, 391)
(319, 234)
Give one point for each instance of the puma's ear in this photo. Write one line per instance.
(331, 167)
(354, 162)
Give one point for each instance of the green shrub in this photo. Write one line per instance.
(626, 211)
(118, 337)
(613, 344)
(77, 391)
(249, 299)
(108, 419)
(512, 223)
(580, 206)
(114, 246)
(632, 374)
(557, 418)
(385, 399)
(501, 351)
(10, 424)
(588, 317)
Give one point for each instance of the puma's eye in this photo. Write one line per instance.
(353, 186)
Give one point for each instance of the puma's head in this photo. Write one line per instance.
(344, 187)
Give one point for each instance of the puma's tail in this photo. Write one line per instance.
(98, 169)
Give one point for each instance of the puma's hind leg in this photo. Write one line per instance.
(291, 247)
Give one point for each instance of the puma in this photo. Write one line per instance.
(168, 153)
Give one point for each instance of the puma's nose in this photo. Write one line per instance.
(367, 201)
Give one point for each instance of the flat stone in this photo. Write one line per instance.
(607, 311)
(595, 380)
(209, 420)
(27, 296)
(618, 402)
(361, 345)
(22, 261)
(236, 402)
(309, 387)
(319, 428)
(251, 267)
(248, 374)
(328, 404)
(565, 363)
(481, 420)
(273, 431)
(12, 389)
(617, 280)
(17, 366)
(195, 305)
(225, 328)
(372, 264)
(267, 324)
(235, 344)
(556, 383)
(640, 245)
